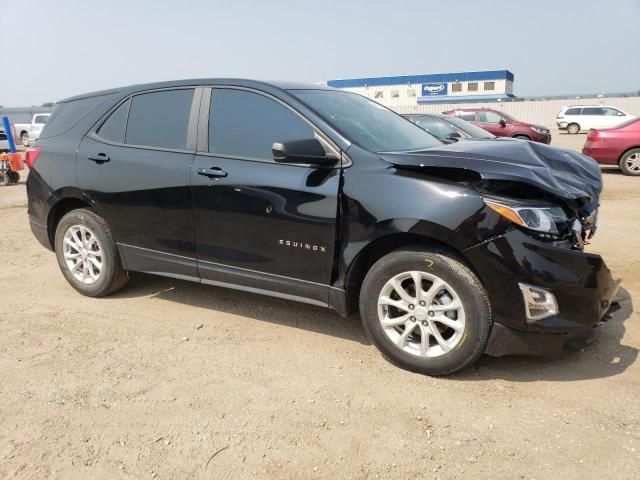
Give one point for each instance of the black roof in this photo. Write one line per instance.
(238, 82)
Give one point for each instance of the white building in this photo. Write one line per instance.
(411, 90)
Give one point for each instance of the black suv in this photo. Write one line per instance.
(325, 197)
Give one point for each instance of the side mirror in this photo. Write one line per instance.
(620, 114)
(307, 151)
(502, 123)
(453, 137)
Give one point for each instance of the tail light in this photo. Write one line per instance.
(31, 156)
(593, 136)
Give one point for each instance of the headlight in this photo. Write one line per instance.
(540, 130)
(538, 217)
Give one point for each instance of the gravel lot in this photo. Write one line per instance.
(154, 381)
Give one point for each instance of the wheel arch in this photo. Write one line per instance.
(384, 245)
(60, 209)
(637, 147)
(525, 135)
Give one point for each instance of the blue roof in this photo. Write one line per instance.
(464, 98)
(432, 78)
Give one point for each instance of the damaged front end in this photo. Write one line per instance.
(542, 202)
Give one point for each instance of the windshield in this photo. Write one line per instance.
(365, 122)
(470, 128)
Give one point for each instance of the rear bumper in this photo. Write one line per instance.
(41, 233)
(581, 283)
(601, 154)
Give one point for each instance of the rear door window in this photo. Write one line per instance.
(593, 111)
(113, 128)
(246, 124)
(160, 119)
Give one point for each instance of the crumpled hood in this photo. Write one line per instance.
(564, 173)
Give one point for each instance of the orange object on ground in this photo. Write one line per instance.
(15, 160)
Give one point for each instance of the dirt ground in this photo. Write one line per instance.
(172, 380)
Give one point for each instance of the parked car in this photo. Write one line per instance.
(325, 197)
(502, 125)
(27, 133)
(576, 118)
(446, 128)
(616, 146)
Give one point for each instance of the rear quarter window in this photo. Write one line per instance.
(67, 114)
(113, 128)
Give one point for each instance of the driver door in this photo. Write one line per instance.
(490, 121)
(258, 223)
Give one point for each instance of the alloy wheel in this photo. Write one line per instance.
(632, 163)
(82, 254)
(421, 314)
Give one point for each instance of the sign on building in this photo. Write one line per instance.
(430, 89)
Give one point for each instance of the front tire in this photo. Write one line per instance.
(4, 179)
(573, 128)
(521, 137)
(436, 329)
(630, 162)
(87, 255)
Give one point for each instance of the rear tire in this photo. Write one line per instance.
(4, 179)
(573, 128)
(24, 138)
(14, 177)
(438, 331)
(630, 162)
(87, 254)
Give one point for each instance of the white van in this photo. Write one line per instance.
(587, 117)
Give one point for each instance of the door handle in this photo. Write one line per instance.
(99, 158)
(212, 172)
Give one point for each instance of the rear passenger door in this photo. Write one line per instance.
(592, 117)
(260, 224)
(135, 165)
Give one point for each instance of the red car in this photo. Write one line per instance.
(616, 146)
(502, 125)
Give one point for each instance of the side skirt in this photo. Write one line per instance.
(145, 260)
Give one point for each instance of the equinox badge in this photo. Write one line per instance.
(303, 246)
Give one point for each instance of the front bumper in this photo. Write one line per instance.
(562, 125)
(506, 341)
(581, 282)
(543, 138)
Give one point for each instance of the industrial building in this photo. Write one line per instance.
(411, 90)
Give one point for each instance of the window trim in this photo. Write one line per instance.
(202, 143)
(191, 127)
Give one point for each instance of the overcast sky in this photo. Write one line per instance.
(65, 47)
